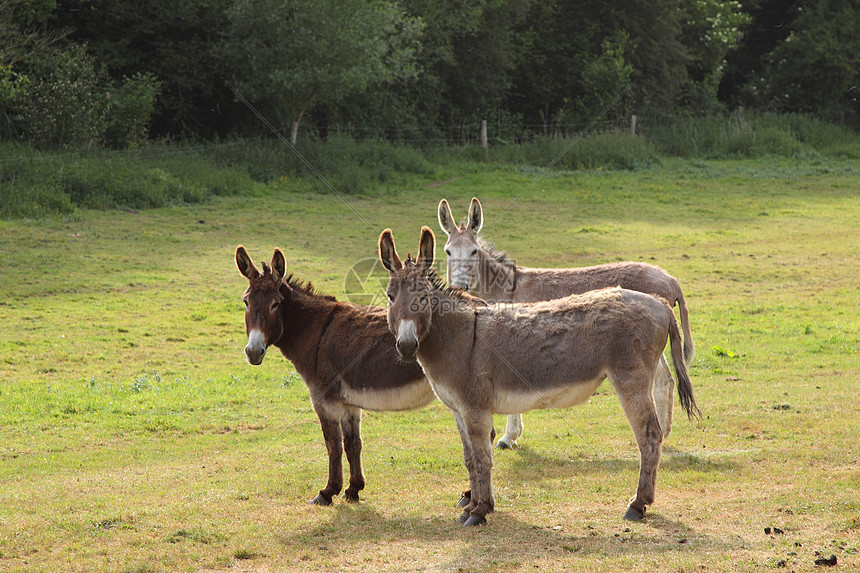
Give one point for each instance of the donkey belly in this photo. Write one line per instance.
(524, 398)
(415, 394)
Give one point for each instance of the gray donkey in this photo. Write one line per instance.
(511, 358)
(476, 266)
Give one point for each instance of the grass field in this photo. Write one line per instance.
(134, 436)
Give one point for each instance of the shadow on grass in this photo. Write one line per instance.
(530, 465)
(503, 542)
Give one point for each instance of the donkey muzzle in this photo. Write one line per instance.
(460, 283)
(407, 340)
(407, 348)
(255, 350)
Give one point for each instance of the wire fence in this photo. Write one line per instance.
(487, 133)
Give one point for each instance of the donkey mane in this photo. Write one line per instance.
(439, 284)
(499, 255)
(305, 287)
(295, 283)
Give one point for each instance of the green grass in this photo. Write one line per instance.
(135, 437)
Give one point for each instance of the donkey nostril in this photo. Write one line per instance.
(407, 348)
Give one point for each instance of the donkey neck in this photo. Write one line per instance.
(452, 326)
(305, 319)
(497, 278)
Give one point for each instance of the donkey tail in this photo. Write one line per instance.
(689, 349)
(685, 387)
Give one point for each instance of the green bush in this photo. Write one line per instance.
(135, 182)
(727, 136)
(115, 183)
(13, 88)
(29, 187)
(33, 199)
(711, 137)
(348, 166)
(129, 110)
(610, 150)
(64, 104)
(823, 137)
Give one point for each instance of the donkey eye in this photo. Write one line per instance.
(245, 300)
(275, 305)
(448, 252)
(474, 252)
(390, 297)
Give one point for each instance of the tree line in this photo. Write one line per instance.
(117, 73)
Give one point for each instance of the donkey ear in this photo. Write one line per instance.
(476, 216)
(245, 264)
(279, 266)
(388, 252)
(426, 249)
(446, 219)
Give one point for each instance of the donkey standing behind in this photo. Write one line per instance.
(477, 267)
(343, 351)
(509, 359)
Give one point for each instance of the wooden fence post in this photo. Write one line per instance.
(484, 133)
(633, 124)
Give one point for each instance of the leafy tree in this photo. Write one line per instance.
(484, 52)
(22, 41)
(817, 68)
(655, 50)
(129, 110)
(175, 42)
(557, 43)
(574, 47)
(604, 77)
(710, 29)
(65, 103)
(468, 50)
(771, 21)
(13, 89)
(21, 35)
(296, 54)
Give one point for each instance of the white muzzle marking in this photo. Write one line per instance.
(255, 351)
(407, 338)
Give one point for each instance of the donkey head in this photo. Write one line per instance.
(264, 296)
(409, 291)
(462, 245)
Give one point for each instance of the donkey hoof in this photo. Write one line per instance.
(321, 500)
(474, 520)
(351, 497)
(465, 499)
(462, 519)
(634, 514)
(504, 445)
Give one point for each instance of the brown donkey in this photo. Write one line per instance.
(343, 351)
(478, 267)
(508, 359)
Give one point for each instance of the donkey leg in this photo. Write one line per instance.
(479, 427)
(664, 389)
(466, 500)
(351, 425)
(513, 430)
(636, 399)
(466, 497)
(334, 444)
